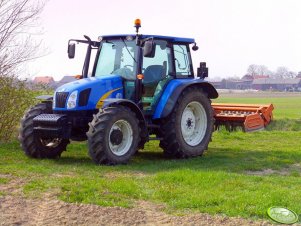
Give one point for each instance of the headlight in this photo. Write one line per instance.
(71, 102)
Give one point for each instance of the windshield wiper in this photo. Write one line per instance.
(128, 50)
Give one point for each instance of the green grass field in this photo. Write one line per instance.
(242, 174)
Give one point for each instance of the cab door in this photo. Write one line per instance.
(157, 72)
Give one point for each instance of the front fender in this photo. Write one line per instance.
(135, 108)
(45, 97)
(124, 102)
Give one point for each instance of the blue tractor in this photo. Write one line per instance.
(142, 88)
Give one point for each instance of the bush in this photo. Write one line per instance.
(15, 98)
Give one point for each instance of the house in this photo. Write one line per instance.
(280, 84)
(43, 80)
(252, 77)
(236, 84)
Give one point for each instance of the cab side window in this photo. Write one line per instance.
(157, 68)
(182, 61)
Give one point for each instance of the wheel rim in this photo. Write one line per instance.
(123, 145)
(194, 123)
(51, 143)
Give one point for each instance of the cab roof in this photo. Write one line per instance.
(168, 38)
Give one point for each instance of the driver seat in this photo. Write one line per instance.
(153, 74)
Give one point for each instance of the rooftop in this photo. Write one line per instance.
(270, 81)
(43, 79)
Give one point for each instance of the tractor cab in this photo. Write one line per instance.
(145, 64)
(120, 55)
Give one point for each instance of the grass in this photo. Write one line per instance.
(219, 182)
(3, 180)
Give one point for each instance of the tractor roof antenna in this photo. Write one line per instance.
(137, 26)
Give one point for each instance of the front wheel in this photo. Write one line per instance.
(187, 131)
(113, 136)
(32, 144)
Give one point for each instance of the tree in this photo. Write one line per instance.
(256, 70)
(252, 70)
(19, 18)
(283, 72)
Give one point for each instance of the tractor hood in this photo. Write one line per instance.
(87, 93)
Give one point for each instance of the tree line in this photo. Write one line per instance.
(262, 70)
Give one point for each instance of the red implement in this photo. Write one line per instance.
(250, 117)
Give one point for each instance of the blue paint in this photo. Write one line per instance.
(99, 86)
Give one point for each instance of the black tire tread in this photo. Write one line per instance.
(97, 133)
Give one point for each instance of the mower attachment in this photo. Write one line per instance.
(250, 117)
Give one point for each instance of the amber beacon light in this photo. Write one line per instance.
(137, 25)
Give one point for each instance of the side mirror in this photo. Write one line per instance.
(195, 47)
(149, 48)
(71, 50)
(202, 70)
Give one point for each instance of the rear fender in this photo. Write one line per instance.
(173, 91)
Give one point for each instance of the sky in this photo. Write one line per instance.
(231, 34)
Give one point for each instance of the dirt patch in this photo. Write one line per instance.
(13, 186)
(284, 172)
(63, 175)
(17, 210)
(113, 175)
(265, 172)
(49, 211)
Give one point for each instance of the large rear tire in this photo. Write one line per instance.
(35, 146)
(113, 136)
(188, 130)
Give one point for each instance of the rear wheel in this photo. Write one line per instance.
(187, 131)
(34, 145)
(113, 136)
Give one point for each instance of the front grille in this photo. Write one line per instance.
(84, 97)
(60, 99)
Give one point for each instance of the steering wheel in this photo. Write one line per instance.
(124, 72)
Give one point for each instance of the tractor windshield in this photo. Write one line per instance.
(117, 57)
